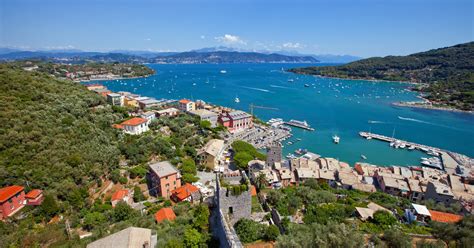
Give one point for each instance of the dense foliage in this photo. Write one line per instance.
(55, 135)
(251, 231)
(244, 153)
(449, 73)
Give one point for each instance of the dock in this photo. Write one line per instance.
(447, 160)
(289, 123)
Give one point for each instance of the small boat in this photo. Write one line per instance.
(291, 80)
(223, 71)
(363, 156)
(411, 148)
(194, 84)
(301, 151)
(236, 100)
(403, 145)
(336, 139)
(306, 85)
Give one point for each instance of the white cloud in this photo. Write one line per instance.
(203, 37)
(230, 39)
(148, 39)
(60, 47)
(292, 45)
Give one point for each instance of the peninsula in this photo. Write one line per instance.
(444, 77)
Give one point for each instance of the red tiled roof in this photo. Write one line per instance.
(444, 217)
(118, 126)
(184, 101)
(184, 191)
(165, 214)
(10, 191)
(253, 191)
(119, 195)
(134, 121)
(34, 194)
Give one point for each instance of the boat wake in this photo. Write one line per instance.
(415, 120)
(376, 122)
(278, 86)
(258, 89)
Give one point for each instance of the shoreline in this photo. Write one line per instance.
(425, 104)
(118, 78)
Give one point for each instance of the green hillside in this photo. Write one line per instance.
(55, 135)
(447, 72)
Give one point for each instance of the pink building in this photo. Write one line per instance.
(34, 197)
(12, 199)
(236, 120)
(164, 179)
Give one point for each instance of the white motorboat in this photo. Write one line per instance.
(336, 139)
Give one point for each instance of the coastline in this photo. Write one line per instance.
(115, 78)
(425, 104)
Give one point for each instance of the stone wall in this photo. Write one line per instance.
(234, 207)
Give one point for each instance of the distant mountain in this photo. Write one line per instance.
(145, 54)
(152, 57)
(448, 73)
(5, 50)
(231, 57)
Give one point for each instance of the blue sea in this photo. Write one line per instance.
(331, 106)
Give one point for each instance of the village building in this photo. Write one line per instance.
(303, 174)
(12, 200)
(187, 192)
(102, 91)
(149, 116)
(273, 155)
(211, 152)
(236, 121)
(368, 212)
(95, 86)
(131, 237)
(418, 212)
(370, 188)
(115, 99)
(122, 195)
(327, 176)
(148, 103)
(365, 169)
(416, 191)
(271, 177)
(392, 183)
(440, 193)
(164, 178)
(205, 115)
(285, 177)
(134, 126)
(165, 214)
(34, 198)
(186, 105)
(347, 179)
(169, 112)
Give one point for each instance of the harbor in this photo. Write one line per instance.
(441, 159)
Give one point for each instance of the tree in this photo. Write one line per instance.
(201, 218)
(261, 181)
(138, 194)
(249, 230)
(49, 207)
(384, 219)
(205, 124)
(396, 238)
(192, 238)
(122, 212)
(93, 219)
(271, 233)
(242, 159)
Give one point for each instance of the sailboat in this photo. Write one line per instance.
(236, 100)
(336, 139)
(214, 86)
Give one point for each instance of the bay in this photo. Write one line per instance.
(331, 106)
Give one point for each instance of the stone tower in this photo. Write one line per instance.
(273, 154)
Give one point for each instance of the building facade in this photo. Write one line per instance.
(135, 126)
(12, 199)
(186, 105)
(115, 99)
(164, 178)
(236, 121)
(273, 155)
(205, 115)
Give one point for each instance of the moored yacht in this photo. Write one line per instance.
(336, 139)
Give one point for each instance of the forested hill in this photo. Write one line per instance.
(54, 134)
(449, 73)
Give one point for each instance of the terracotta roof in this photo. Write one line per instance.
(444, 217)
(184, 101)
(34, 194)
(165, 214)
(119, 195)
(10, 191)
(134, 122)
(184, 191)
(253, 191)
(118, 126)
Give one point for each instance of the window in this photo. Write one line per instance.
(231, 210)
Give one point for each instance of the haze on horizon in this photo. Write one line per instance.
(362, 28)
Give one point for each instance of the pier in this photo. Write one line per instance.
(448, 162)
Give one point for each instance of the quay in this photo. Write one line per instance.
(302, 126)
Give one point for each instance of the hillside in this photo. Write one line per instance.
(168, 58)
(447, 72)
(55, 134)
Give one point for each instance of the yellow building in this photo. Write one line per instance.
(210, 153)
(130, 102)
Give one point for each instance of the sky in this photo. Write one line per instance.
(356, 27)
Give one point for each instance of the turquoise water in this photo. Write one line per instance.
(332, 106)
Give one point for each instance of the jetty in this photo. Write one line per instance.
(299, 124)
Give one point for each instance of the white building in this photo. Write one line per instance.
(135, 126)
(205, 115)
(186, 105)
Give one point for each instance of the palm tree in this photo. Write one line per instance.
(261, 181)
